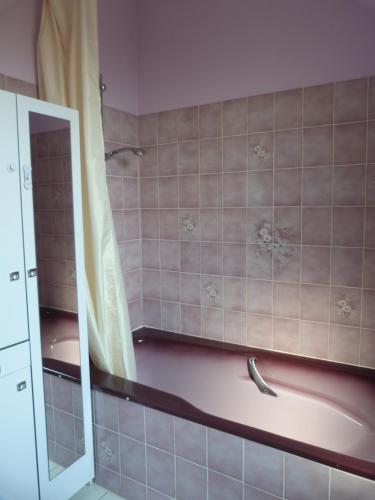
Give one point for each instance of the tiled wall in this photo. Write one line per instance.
(258, 221)
(17, 86)
(252, 220)
(64, 420)
(52, 185)
(120, 129)
(141, 451)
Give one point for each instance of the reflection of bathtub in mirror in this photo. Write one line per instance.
(62, 349)
(63, 397)
(60, 339)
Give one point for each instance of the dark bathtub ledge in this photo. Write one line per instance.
(174, 405)
(62, 369)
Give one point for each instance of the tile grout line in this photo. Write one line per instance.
(206, 464)
(321, 125)
(290, 317)
(53, 412)
(246, 231)
(222, 197)
(138, 180)
(199, 212)
(222, 213)
(329, 482)
(241, 242)
(156, 146)
(146, 454)
(301, 222)
(359, 359)
(119, 443)
(178, 211)
(273, 225)
(243, 469)
(208, 174)
(210, 207)
(174, 455)
(332, 222)
(277, 316)
(162, 312)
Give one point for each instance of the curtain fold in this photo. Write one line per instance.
(68, 74)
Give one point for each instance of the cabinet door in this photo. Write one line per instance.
(13, 313)
(18, 470)
(55, 131)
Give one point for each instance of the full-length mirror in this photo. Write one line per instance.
(57, 287)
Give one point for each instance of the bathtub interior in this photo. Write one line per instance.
(314, 405)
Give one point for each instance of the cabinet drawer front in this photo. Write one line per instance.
(14, 358)
(13, 308)
(18, 471)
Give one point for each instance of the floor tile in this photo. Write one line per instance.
(91, 492)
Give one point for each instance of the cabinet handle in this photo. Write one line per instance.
(11, 168)
(15, 276)
(21, 386)
(32, 272)
(27, 176)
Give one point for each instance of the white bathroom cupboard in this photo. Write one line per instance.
(24, 461)
(18, 468)
(14, 328)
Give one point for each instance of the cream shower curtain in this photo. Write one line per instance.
(68, 74)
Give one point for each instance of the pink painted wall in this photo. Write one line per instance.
(19, 24)
(204, 51)
(118, 53)
(164, 54)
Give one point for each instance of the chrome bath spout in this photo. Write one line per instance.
(259, 382)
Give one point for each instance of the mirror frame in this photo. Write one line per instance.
(75, 476)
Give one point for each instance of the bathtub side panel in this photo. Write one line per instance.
(154, 453)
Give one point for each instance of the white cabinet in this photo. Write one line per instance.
(25, 443)
(18, 469)
(13, 311)
(18, 466)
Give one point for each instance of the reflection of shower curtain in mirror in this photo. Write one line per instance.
(68, 74)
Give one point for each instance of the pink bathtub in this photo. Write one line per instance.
(323, 411)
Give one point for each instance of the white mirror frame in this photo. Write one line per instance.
(74, 477)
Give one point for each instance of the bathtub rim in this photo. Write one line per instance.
(179, 407)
